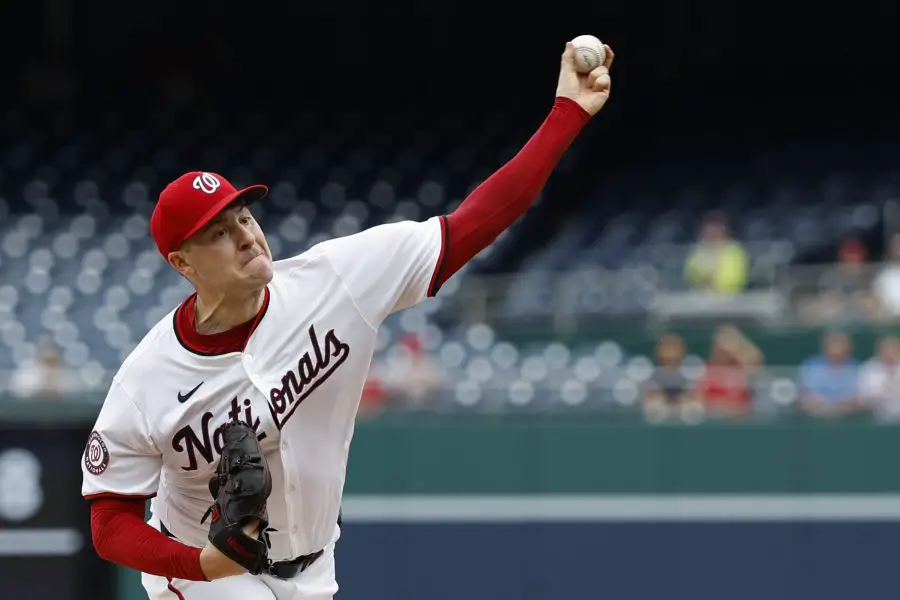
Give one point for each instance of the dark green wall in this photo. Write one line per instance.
(509, 456)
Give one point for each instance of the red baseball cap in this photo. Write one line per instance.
(192, 201)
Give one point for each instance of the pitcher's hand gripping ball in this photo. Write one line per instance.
(589, 53)
(240, 489)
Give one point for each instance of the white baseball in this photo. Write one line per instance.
(589, 53)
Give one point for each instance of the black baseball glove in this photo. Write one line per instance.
(240, 489)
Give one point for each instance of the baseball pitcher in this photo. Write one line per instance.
(234, 414)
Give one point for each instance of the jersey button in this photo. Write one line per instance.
(291, 488)
(294, 529)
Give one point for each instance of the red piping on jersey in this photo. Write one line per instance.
(121, 536)
(503, 197)
(437, 276)
(173, 589)
(233, 340)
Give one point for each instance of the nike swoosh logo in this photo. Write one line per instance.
(185, 397)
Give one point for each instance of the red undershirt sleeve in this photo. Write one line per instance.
(503, 197)
(121, 536)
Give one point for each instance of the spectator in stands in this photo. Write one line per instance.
(844, 292)
(829, 382)
(718, 263)
(408, 377)
(726, 387)
(668, 392)
(374, 397)
(879, 380)
(44, 377)
(417, 377)
(886, 286)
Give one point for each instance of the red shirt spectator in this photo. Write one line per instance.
(374, 396)
(725, 388)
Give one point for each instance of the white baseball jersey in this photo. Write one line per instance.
(298, 383)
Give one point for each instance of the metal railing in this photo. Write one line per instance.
(565, 301)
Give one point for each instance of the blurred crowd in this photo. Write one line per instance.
(858, 287)
(852, 285)
(833, 383)
(839, 381)
(45, 376)
(406, 378)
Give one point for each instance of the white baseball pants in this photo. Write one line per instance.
(317, 582)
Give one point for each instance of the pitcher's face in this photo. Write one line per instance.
(229, 254)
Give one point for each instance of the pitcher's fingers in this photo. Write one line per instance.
(568, 55)
(603, 83)
(610, 55)
(599, 78)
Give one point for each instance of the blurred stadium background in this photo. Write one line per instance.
(677, 375)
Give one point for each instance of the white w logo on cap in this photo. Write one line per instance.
(207, 182)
